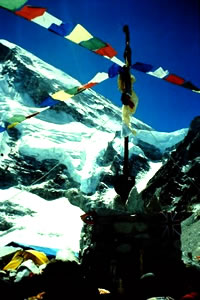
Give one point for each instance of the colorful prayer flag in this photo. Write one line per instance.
(30, 13)
(142, 67)
(174, 79)
(49, 102)
(2, 129)
(16, 118)
(159, 73)
(62, 29)
(12, 4)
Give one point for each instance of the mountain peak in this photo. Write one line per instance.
(81, 135)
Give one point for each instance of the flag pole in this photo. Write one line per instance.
(126, 156)
(125, 182)
(127, 92)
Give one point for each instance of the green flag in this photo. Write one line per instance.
(17, 118)
(12, 4)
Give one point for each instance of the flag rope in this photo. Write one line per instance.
(79, 35)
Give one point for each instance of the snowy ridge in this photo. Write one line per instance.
(34, 63)
(42, 223)
(162, 140)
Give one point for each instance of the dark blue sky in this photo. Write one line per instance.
(163, 33)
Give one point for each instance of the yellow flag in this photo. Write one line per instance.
(61, 95)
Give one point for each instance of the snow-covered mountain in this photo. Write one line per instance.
(73, 151)
(82, 136)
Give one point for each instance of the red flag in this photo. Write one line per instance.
(30, 13)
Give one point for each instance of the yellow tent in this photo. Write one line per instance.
(20, 256)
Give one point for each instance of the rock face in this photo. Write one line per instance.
(176, 185)
(190, 239)
(163, 230)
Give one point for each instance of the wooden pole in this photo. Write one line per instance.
(126, 156)
(127, 58)
(124, 183)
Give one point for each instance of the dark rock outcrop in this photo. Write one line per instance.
(160, 236)
(152, 152)
(176, 185)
